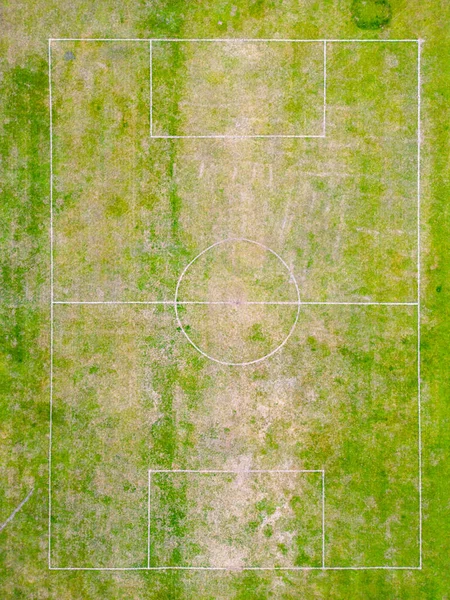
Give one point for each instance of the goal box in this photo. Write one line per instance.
(236, 519)
(243, 88)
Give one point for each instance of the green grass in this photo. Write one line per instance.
(130, 392)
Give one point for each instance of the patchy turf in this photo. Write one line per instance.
(131, 211)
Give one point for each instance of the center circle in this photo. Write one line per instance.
(237, 302)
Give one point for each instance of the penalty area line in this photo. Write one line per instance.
(237, 472)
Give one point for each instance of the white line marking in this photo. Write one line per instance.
(377, 568)
(52, 302)
(242, 303)
(291, 277)
(148, 518)
(419, 384)
(293, 303)
(16, 510)
(323, 519)
(51, 307)
(237, 471)
(245, 472)
(225, 40)
(361, 303)
(236, 136)
(151, 87)
(324, 88)
(239, 303)
(231, 136)
(115, 302)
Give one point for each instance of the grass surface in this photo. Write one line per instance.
(131, 394)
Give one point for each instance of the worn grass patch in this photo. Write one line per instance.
(130, 393)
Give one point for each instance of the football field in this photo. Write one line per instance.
(235, 304)
(223, 366)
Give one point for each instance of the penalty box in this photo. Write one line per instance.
(237, 89)
(236, 519)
